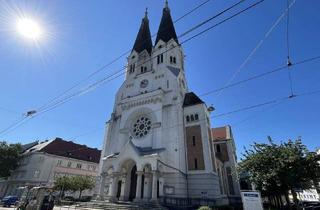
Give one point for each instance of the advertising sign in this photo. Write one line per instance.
(251, 200)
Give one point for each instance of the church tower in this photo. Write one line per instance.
(158, 140)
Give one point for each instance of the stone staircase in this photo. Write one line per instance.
(119, 205)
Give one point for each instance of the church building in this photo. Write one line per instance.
(158, 143)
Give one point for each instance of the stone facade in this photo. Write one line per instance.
(158, 142)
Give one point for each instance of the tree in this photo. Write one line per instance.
(73, 183)
(81, 183)
(63, 183)
(9, 158)
(277, 168)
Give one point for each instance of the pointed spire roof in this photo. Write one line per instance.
(143, 40)
(166, 29)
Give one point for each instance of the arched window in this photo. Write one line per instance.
(196, 117)
(192, 117)
(188, 118)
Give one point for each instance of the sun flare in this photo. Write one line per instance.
(29, 28)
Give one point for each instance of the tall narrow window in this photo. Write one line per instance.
(193, 140)
(195, 163)
(196, 117)
(131, 69)
(171, 60)
(188, 118)
(174, 60)
(218, 148)
(192, 117)
(160, 58)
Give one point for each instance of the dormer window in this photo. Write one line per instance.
(133, 57)
(160, 46)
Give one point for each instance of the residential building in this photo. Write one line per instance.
(44, 161)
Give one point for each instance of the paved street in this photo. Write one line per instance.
(55, 208)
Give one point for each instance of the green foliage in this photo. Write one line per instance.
(64, 183)
(9, 158)
(74, 183)
(204, 208)
(81, 183)
(281, 167)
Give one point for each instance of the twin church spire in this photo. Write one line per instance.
(166, 31)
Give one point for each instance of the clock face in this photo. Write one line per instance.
(144, 83)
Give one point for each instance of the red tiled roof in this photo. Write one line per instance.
(219, 133)
(70, 149)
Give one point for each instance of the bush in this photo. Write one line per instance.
(204, 208)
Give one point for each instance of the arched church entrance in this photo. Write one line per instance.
(133, 183)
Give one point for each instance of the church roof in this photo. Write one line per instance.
(166, 29)
(148, 150)
(143, 40)
(175, 71)
(191, 99)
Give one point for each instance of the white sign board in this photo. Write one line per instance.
(251, 200)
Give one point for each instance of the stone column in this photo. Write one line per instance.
(147, 187)
(123, 185)
(113, 187)
(154, 185)
(161, 183)
(138, 188)
(102, 186)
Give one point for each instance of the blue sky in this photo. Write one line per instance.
(81, 36)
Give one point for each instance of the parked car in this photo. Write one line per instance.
(9, 200)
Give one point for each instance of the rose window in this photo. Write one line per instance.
(141, 127)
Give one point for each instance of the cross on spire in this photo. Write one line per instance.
(146, 12)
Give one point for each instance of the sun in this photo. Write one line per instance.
(29, 28)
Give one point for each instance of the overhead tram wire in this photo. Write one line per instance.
(278, 69)
(257, 47)
(118, 58)
(86, 89)
(122, 71)
(257, 77)
(185, 33)
(243, 81)
(185, 41)
(275, 101)
(288, 49)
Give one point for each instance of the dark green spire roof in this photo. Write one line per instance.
(166, 29)
(143, 40)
